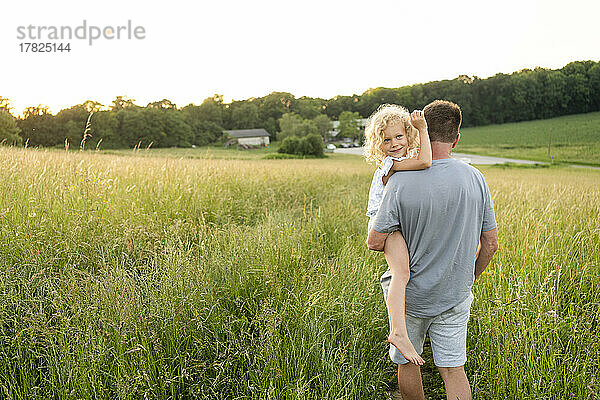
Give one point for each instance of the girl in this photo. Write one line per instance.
(392, 136)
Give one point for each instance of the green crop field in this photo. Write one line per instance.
(169, 277)
(573, 139)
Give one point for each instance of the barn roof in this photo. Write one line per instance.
(247, 133)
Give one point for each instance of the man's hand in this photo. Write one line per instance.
(376, 240)
(417, 119)
(489, 245)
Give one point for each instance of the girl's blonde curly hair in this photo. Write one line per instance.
(376, 124)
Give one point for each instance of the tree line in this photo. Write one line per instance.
(523, 95)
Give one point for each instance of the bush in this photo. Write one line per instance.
(289, 145)
(280, 156)
(310, 145)
(315, 144)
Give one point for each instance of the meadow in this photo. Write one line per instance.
(169, 277)
(573, 139)
(203, 153)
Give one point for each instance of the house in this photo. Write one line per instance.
(249, 137)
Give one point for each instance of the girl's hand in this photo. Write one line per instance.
(417, 119)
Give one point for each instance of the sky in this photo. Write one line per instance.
(190, 50)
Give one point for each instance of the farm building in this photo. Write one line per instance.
(249, 137)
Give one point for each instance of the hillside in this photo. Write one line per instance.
(574, 139)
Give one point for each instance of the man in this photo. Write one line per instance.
(444, 212)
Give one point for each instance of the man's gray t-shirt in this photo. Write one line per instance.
(441, 211)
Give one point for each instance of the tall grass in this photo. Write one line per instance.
(153, 277)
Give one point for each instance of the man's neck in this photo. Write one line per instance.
(441, 150)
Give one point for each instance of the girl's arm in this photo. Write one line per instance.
(423, 160)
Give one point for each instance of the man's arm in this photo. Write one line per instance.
(489, 245)
(376, 240)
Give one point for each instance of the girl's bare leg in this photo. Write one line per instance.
(396, 255)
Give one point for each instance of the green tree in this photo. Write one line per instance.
(271, 126)
(203, 131)
(308, 108)
(418, 97)
(289, 123)
(315, 143)
(245, 116)
(133, 129)
(9, 131)
(373, 98)
(177, 132)
(554, 98)
(92, 106)
(211, 110)
(105, 127)
(38, 127)
(594, 74)
(272, 107)
(404, 98)
(350, 125)
(153, 128)
(294, 125)
(5, 104)
(208, 132)
(323, 125)
(339, 104)
(70, 123)
(163, 104)
(524, 96)
(121, 103)
(579, 89)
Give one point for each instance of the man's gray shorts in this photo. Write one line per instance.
(447, 332)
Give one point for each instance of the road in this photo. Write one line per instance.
(470, 158)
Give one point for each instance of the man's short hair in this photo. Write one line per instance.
(443, 120)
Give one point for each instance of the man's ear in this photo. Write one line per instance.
(456, 141)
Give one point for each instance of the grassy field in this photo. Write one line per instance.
(574, 139)
(169, 277)
(204, 153)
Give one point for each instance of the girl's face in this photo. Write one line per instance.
(395, 143)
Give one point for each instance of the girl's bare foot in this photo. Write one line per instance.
(405, 347)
